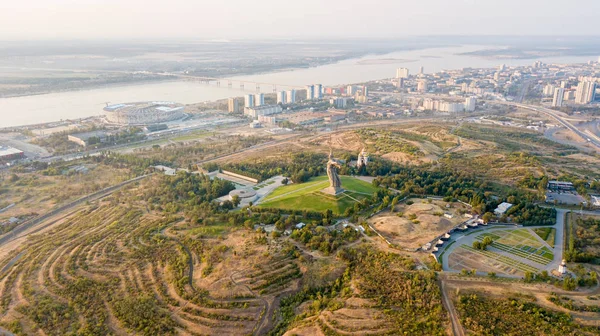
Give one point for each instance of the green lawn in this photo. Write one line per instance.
(307, 196)
(546, 234)
(193, 136)
(520, 243)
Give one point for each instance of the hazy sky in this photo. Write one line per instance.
(217, 19)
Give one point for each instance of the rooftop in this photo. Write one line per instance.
(5, 150)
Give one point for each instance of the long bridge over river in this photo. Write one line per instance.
(234, 83)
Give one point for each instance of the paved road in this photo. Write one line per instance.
(460, 239)
(554, 115)
(559, 238)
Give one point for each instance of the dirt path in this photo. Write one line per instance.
(263, 323)
(457, 328)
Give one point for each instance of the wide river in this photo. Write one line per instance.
(84, 103)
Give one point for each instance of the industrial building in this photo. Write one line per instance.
(10, 154)
(143, 113)
(560, 186)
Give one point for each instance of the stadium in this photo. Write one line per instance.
(143, 113)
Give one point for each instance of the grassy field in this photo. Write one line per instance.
(546, 234)
(307, 196)
(521, 243)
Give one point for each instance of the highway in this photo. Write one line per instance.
(554, 115)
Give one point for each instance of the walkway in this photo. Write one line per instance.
(468, 238)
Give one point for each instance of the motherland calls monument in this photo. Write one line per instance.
(335, 183)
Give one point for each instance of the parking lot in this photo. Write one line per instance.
(564, 197)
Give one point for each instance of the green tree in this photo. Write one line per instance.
(235, 200)
(528, 277)
(487, 217)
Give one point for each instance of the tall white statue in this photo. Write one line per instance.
(335, 183)
(363, 159)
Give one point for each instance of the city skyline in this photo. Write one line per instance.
(90, 19)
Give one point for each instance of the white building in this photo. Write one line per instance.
(422, 85)
(259, 99)
(310, 92)
(339, 102)
(451, 107)
(350, 90)
(263, 110)
(470, 104)
(281, 97)
(249, 100)
(365, 91)
(586, 92)
(233, 105)
(421, 70)
(402, 73)
(318, 91)
(562, 268)
(595, 200)
(549, 90)
(502, 208)
(569, 95)
(291, 96)
(400, 83)
(559, 94)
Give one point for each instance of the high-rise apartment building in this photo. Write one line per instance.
(422, 85)
(559, 94)
(402, 73)
(249, 100)
(318, 91)
(350, 90)
(281, 97)
(310, 92)
(291, 96)
(233, 105)
(470, 104)
(549, 90)
(586, 92)
(400, 83)
(259, 99)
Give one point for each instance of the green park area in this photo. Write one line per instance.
(522, 243)
(308, 195)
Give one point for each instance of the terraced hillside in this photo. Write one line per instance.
(121, 270)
